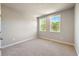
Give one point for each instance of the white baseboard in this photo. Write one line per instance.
(76, 50)
(62, 42)
(12, 44)
(30, 38)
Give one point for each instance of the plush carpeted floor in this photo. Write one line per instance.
(39, 47)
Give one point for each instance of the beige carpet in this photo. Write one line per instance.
(39, 47)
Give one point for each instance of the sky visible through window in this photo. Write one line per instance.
(55, 18)
(55, 23)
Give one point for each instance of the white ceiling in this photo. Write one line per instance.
(38, 9)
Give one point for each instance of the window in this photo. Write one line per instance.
(42, 23)
(55, 23)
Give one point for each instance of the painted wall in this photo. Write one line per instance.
(0, 25)
(67, 27)
(77, 28)
(15, 27)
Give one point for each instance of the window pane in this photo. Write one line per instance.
(55, 23)
(42, 23)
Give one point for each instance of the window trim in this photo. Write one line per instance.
(48, 27)
(39, 23)
(50, 24)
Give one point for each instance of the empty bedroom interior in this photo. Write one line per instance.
(39, 29)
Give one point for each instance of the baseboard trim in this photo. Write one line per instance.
(28, 39)
(62, 42)
(76, 50)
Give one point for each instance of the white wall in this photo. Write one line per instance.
(15, 27)
(67, 27)
(0, 25)
(0, 28)
(77, 28)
